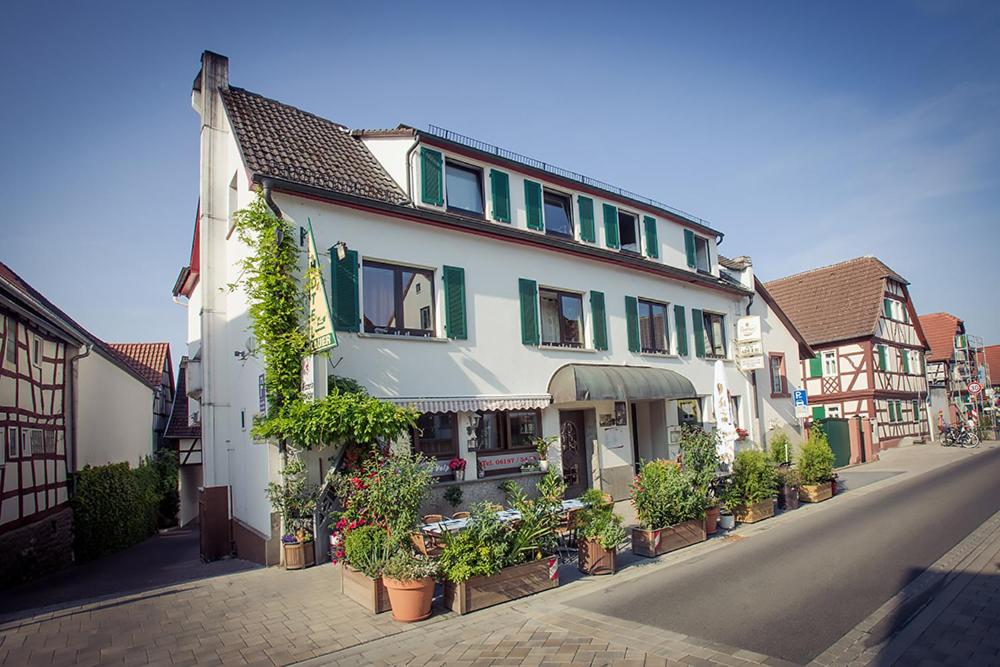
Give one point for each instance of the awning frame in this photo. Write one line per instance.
(605, 382)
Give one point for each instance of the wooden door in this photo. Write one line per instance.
(574, 452)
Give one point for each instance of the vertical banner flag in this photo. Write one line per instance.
(723, 415)
(321, 333)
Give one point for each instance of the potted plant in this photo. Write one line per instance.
(789, 481)
(671, 509)
(700, 454)
(600, 532)
(815, 464)
(409, 579)
(494, 561)
(457, 466)
(294, 499)
(780, 449)
(742, 434)
(542, 446)
(726, 519)
(367, 549)
(752, 487)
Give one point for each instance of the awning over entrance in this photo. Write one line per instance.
(473, 403)
(592, 382)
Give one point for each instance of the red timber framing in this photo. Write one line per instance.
(33, 475)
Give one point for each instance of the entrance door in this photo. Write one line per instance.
(574, 452)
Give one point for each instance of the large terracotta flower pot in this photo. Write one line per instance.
(712, 519)
(411, 600)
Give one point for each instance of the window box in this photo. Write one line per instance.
(508, 584)
(651, 543)
(367, 592)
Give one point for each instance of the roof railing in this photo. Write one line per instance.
(559, 171)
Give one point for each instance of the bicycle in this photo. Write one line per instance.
(960, 437)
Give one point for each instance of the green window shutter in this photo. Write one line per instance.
(528, 290)
(916, 411)
(682, 330)
(500, 191)
(819, 412)
(887, 307)
(906, 314)
(905, 354)
(815, 367)
(881, 358)
(454, 303)
(689, 248)
(533, 205)
(586, 205)
(632, 322)
(344, 279)
(698, 325)
(652, 244)
(600, 318)
(431, 177)
(611, 226)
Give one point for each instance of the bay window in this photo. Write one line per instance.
(398, 300)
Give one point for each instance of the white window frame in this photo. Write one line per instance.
(11, 443)
(708, 254)
(573, 231)
(25, 442)
(833, 411)
(10, 334)
(36, 356)
(831, 354)
(636, 226)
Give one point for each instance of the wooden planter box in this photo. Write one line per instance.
(788, 498)
(594, 559)
(508, 584)
(652, 543)
(815, 493)
(299, 556)
(756, 512)
(367, 592)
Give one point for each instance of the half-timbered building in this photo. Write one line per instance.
(950, 365)
(870, 349)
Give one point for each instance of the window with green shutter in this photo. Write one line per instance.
(916, 411)
(892, 410)
(533, 205)
(815, 367)
(698, 326)
(599, 316)
(587, 232)
(883, 359)
(528, 290)
(344, 287)
(680, 324)
(905, 354)
(887, 307)
(500, 192)
(689, 250)
(632, 322)
(454, 303)
(652, 243)
(819, 412)
(611, 226)
(899, 410)
(431, 177)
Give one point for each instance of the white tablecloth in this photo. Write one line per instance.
(453, 525)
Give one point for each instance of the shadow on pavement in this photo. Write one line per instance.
(170, 557)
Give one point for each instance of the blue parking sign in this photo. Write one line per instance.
(801, 398)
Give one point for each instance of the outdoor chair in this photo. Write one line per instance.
(425, 545)
(566, 537)
(461, 515)
(433, 518)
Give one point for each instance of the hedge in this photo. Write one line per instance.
(116, 506)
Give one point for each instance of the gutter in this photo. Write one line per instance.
(72, 451)
(268, 187)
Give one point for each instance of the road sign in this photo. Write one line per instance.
(975, 388)
(801, 400)
(748, 328)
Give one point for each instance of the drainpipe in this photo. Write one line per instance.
(409, 169)
(268, 186)
(71, 431)
(753, 383)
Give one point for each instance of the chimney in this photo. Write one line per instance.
(213, 76)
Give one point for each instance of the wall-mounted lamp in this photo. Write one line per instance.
(341, 248)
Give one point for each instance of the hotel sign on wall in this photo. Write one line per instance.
(321, 333)
(749, 349)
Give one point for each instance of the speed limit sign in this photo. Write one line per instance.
(975, 388)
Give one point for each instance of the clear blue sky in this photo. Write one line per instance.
(808, 132)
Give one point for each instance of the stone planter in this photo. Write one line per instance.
(595, 559)
(712, 519)
(788, 497)
(815, 493)
(300, 555)
(651, 543)
(367, 592)
(756, 512)
(508, 584)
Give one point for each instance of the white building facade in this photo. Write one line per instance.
(500, 297)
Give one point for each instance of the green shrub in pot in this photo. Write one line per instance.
(598, 521)
(780, 448)
(664, 495)
(754, 479)
(701, 459)
(815, 462)
(403, 565)
(367, 549)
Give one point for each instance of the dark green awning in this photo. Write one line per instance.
(592, 382)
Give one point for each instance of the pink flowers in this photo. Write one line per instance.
(456, 464)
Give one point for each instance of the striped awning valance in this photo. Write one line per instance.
(473, 403)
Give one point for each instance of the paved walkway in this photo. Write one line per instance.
(272, 617)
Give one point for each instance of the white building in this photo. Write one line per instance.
(500, 296)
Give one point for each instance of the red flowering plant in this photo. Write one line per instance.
(741, 433)
(385, 493)
(456, 464)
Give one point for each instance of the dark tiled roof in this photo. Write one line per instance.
(836, 302)
(283, 142)
(177, 426)
(148, 359)
(941, 329)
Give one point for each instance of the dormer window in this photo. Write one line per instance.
(701, 254)
(628, 231)
(464, 187)
(558, 214)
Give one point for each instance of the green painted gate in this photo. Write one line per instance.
(838, 432)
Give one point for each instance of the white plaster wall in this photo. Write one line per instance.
(391, 153)
(114, 414)
(777, 412)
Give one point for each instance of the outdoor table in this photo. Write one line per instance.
(454, 525)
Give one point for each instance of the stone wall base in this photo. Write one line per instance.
(37, 548)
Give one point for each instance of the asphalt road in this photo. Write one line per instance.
(793, 591)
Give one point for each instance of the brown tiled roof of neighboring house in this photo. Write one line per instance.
(148, 359)
(837, 302)
(177, 425)
(992, 353)
(941, 329)
(286, 143)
